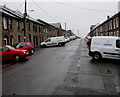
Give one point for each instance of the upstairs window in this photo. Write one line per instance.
(5, 23)
(18, 25)
(10, 23)
(35, 27)
(29, 26)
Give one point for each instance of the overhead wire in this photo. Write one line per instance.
(19, 5)
(43, 10)
(83, 8)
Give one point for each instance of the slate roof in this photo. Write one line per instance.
(57, 25)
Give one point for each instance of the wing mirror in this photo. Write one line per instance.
(7, 49)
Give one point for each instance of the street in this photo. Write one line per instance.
(64, 70)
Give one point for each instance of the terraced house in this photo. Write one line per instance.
(110, 27)
(12, 28)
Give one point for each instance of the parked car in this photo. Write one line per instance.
(67, 39)
(25, 45)
(52, 41)
(105, 47)
(89, 43)
(73, 37)
(8, 53)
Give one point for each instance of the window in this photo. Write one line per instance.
(10, 23)
(2, 48)
(11, 40)
(29, 37)
(19, 38)
(29, 26)
(118, 43)
(117, 22)
(5, 23)
(35, 27)
(44, 30)
(48, 40)
(23, 45)
(18, 25)
(28, 44)
(12, 48)
(114, 23)
(39, 28)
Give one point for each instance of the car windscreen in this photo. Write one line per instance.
(12, 48)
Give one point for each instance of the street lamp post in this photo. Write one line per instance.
(25, 20)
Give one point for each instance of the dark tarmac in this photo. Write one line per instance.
(62, 71)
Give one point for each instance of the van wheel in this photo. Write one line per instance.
(63, 44)
(16, 57)
(97, 56)
(59, 44)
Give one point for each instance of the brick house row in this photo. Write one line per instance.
(12, 28)
(110, 27)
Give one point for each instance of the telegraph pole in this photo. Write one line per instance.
(25, 20)
(78, 32)
(65, 26)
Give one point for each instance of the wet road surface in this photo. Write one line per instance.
(39, 75)
(62, 71)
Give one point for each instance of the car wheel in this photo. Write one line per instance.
(44, 45)
(17, 57)
(97, 56)
(32, 51)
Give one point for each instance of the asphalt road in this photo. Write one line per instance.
(62, 71)
(39, 75)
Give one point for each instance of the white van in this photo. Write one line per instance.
(73, 37)
(52, 41)
(105, 47)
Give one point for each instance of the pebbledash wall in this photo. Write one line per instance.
(12, 28)
(110, 27)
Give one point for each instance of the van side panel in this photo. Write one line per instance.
(106, 46)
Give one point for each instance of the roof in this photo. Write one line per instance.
(15, 14)
(57, 25)
(106, 20)
(10, 12)
(106, 37)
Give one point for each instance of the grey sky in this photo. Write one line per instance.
(79, 16)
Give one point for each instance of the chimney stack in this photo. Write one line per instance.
(108, 17)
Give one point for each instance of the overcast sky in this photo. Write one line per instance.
(78, 15)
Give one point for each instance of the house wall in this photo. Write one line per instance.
(109, 28)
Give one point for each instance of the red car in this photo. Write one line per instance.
(25, 45)
(8, 53)
(89, 43)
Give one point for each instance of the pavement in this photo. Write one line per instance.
(87, 79)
